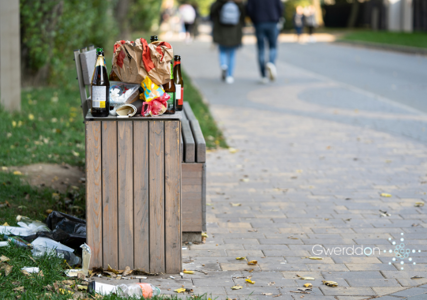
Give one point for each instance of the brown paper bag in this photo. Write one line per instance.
(133, 61)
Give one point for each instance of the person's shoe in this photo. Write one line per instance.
(229, 80)
(264, 80)
(272, 72)
(224, 72)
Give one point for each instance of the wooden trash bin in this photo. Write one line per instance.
(133, 193)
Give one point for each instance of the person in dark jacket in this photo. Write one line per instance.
(265, 14)
(228, 35)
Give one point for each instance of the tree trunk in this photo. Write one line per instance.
(121, 13)
(353, 14)
(319, 13)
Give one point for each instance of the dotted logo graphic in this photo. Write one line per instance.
(401, 253)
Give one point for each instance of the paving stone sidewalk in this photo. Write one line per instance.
(313, 157)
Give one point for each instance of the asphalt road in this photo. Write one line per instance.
(399, 77)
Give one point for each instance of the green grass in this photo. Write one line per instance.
(49, 128)
(416, 39)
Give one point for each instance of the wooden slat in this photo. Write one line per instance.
(109, 192)
(189, 112)
(82, 88)
(157, 221)
(192, 209)
(189, 145)
(173, 197)
(125, 188)
(141, 200)
(94, 192)
(200, 141)
(88, 60)
(204, 228)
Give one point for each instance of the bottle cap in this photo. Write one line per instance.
(177, 57)
(154, 38)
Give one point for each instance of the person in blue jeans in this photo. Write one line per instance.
(265, 15)
(228, 18)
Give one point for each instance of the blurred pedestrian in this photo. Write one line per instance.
(310, 21)
(228, 19)
(299, 21)
(265, 15)
(188, 15)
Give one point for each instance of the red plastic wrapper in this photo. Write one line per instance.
(156, 107)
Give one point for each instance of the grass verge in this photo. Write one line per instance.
(415, 39)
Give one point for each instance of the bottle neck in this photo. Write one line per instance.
(100, 61)
(176, 63)
(172, 71)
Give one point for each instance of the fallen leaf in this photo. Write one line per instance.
(330, 283)
(252, 262)
(416, 277)
(315, 258)
(31, 117)
(267, 294)
(4, 258)
(19, 289)
(204, 234)
(271, 283)
(236, 204)
(7, 270)
(419, 204)
(385, 195)
(384, 213)
(127, 271)
(110, 269)
(49, 211)
(41, 273)
(250, 281)
(308, 285)
(188, 272)
(237, 287)
(81, 287)
(25, 272)
(244, 179)
(5, 224)
(55, 196)
(17, 173)
(181, 290)
(278, 295)
(233, 150)
(240, 258)
(293, 238)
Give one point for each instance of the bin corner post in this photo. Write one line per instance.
(94, 191)
(156, 194)
(173, 197)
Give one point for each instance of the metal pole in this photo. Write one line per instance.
(10, 56)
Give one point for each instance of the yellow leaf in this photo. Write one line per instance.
(308, 285)
(252, 262)
(110, 269)
(241, 258)
(419, 204)
(204, 235)
(330, 283)
(13, 124)
(385, 195)
(31, 117)
(5, 224)
(75, 153)
(82, 287)
(181, 290)
(19, 124)
(237, 287)
(55, 196)
(250, 281)
(315, 258)
(188, 272)
(236, 204)
(4, 168)
(49, 211)
(19, 289)
(17, 173)
(233, 150)
(244, 179)
(4, 258)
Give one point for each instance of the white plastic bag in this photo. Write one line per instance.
(50, 244)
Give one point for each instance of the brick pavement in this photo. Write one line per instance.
(313, 158)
